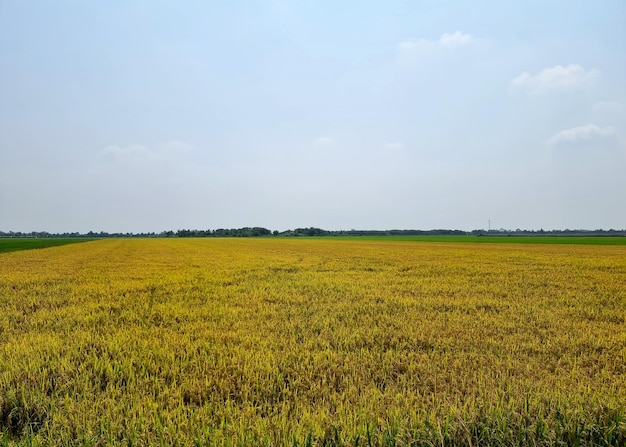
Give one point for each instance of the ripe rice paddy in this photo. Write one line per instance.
(312, 342)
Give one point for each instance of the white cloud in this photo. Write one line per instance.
(456, 40)
(583, 134)
(413, 48)
(552, 78)
(118, 153)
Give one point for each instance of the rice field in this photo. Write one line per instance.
(311, 342)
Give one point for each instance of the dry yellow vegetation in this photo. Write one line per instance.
(312, 342)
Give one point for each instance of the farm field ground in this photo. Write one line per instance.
(312, 342)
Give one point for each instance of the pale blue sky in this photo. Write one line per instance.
(153, 115)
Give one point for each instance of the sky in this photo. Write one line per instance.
(152, 115)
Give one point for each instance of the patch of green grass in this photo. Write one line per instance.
(17, 244)
(571, 240)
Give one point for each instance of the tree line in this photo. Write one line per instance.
(312, 231)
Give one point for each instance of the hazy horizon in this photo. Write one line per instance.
(151, 116)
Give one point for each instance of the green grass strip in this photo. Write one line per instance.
(18, 244)
(572, 240)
